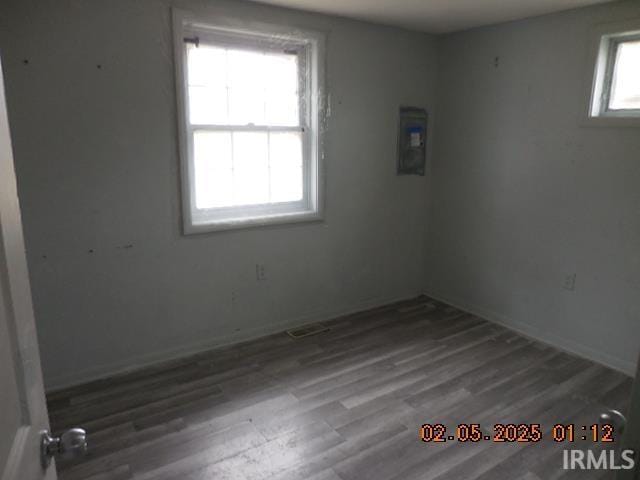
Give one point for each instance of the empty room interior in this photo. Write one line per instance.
(319, 239)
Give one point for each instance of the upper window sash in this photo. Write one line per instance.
(201, 37)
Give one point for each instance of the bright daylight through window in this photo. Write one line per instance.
(250, 132)
(625, 85)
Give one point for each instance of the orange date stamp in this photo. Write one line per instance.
(516, 433)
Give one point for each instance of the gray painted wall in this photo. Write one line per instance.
(524, 195)
(115, 283)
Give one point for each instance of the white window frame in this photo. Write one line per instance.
(210, 29)
(604, 47)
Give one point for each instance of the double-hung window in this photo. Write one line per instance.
(249, 100)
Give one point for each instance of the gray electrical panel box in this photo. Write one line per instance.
(412, 141)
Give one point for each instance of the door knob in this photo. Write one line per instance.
(614, 418)
(71, 444)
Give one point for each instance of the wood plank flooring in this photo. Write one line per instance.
(346, 404)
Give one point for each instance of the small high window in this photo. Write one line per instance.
(250, 124)
(616, 91)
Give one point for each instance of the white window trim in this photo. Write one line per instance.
(604, 41)
(311, 208)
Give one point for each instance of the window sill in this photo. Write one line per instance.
(604, 121)
(251, 222)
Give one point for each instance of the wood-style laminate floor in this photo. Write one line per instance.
(343, 405)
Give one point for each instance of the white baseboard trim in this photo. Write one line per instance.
(61, 382)
(566, 345)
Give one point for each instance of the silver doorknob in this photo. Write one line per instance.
(614, 418)
(71, 444)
